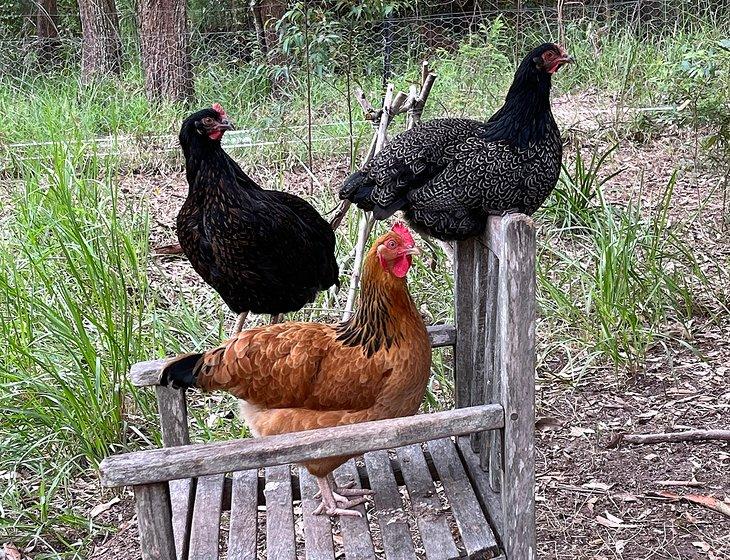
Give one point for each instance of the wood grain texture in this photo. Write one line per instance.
(143, 467)
(432, 520)
(389, 509)
(476, 534)
(173, 411)
(318, 544)
(355, 531)
(154, 519)
(464, 313)
(490, 501)
(147, 374)
(280, 542)
(205, 530)
(480, 302)
(516, 311)
(242, 532)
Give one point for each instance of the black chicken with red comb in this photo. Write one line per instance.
(448, 175)
(263, 251)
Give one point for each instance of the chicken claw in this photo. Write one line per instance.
(336, 503)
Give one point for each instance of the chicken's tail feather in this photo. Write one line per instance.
(181, 372)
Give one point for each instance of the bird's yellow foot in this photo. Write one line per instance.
(338, 502)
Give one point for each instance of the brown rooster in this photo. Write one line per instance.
(300, 376)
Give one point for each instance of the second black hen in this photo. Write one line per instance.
(448, 175)
(263, 251)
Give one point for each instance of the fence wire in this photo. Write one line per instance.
(336, 54)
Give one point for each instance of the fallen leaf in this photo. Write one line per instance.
(101, 508)
(547, 423)
(626, 497)
(575, 431)
(709, 502)
(598, 486)
(614, 518)
(10, 551)
(702, 545)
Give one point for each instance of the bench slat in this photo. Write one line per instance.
(280, 541)
(206, 518)
(242, 532)
(476, 534)
(490, 501)
(432, 522)
(392, 518)
(318, 544)
(355, 530)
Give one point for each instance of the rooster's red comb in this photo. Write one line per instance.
(218, 108)
(402, 230)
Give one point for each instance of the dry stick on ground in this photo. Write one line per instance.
(672, 437)
(413, 104)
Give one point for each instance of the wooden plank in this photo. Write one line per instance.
(476, 534)
(144, 374)
(244, 501)
(280, 542)
(495, 232)
(170, 463)
(432, 521)
(441, 335)
(205, 529)
(480, 304)
(318, 544)
(147, 374)
(490, 501)
(355, 531)
(173, 411)
(154, 519)
(392, 517)
(516, 310)
(464, 313)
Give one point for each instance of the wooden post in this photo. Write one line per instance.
(154, 518)
(173, 411)
(479, 309)
(464, 321)
(516, 316)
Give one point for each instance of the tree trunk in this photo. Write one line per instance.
(47, 32)
(101, 50)
(164, 38)
(271, 12)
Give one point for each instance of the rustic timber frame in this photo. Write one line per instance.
(492, 454)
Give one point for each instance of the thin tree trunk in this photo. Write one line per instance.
(271, 12)
(164, 38)
(47, 32)
(101, 51)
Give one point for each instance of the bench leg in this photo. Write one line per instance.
(154, 518)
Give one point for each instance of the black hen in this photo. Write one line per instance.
(263, 251)
(448, 175)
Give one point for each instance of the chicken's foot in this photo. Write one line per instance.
(334, 503)
(239, 323)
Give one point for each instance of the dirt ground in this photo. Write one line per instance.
(597, 498)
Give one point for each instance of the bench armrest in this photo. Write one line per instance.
(171, 463)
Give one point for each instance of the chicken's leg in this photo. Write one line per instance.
(334, 503)
(239, 323)
(278, 318)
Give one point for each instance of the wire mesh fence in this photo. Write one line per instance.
(290, 81)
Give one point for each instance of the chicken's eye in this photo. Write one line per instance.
(207, 121)
(390, 244)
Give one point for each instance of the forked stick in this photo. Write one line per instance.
(412, 104)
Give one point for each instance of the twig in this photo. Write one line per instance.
(688, 483)
(671, 437)
(366, 226)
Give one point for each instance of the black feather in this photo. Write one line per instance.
(181, 372)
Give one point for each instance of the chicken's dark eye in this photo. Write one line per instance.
(390, 244)
(207, 121)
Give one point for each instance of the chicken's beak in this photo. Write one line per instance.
(412, 251)
(567, 59)
(225, 124)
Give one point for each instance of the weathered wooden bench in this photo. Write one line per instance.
(468, 491)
